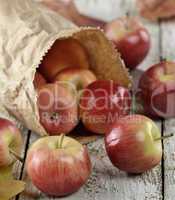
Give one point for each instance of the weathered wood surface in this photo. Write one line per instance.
(18, 167)
(168, 52)
(107, 182)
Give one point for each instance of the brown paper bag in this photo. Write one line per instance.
(27, 32)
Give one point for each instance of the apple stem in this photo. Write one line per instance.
(16, 156)
(127, 14)
(126, 24)
(165, 137)
(162, 59)
(61, 140)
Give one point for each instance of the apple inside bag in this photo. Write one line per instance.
(28, 32)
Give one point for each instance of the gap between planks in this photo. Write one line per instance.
(24, 157)
(168, 38)
(162, 120)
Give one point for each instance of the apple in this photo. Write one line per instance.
(10, 142)
(133, 144)
(131, 39)
(58, 165)
(80, 78)
(101, 103)
(63, 54)
(58, 109)
(39, 80)
(157, 90)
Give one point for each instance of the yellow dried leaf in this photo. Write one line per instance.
(6, 173)
(10, 188)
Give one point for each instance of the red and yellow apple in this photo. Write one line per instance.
(10, 142)
(39, 80)
(80, 78)
(101, 103)
(58, 109)
(63, 54)
(133, 144)
(157, 90)
(131, 39)
(58, 166)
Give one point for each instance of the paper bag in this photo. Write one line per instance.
(27, 31)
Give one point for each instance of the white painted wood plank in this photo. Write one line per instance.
(30, 191)
(169, 161)
(168, 38)
(18, 165)
(106, 10)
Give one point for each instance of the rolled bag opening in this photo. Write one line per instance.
(31, 30)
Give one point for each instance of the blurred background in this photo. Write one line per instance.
(105, 10)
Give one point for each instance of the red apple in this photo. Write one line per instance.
(39, 80)
(58, 166)
(101, 103)
(10, 142)
(133, 144)
(157, 90)
(58, 109)
(63, 54)
(80, 78)
(131, 39)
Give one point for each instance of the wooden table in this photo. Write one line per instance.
(106, 182)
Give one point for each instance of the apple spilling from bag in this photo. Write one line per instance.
(58, 165)
(58, 109)
(62, 74)
(131, 39)
(10, 143)
(101, 103)
(79, 78)
(64, 53)
(157, 90)
(133, 144)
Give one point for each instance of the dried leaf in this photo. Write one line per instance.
(10, 188)
(6, 173)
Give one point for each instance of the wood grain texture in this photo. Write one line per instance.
(107, 182)
(18, 164)
(168, 52)
(17, 170)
